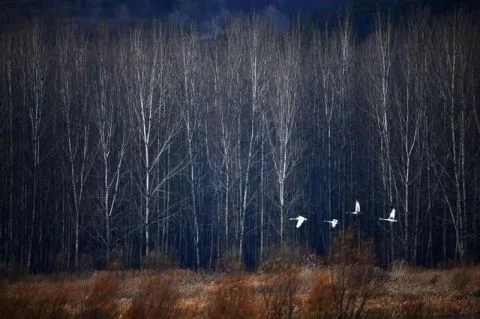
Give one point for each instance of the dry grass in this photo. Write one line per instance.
(354, 278)
(158, 298)
(34, 300)
(233, 298)
(461, 278)
(100, 300)
(400, 270)
(344, 289)
(280, 295)
(411, 307)
(77, 300)
(414, 292)
(321, 300)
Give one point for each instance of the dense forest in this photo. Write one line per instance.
(159, 142)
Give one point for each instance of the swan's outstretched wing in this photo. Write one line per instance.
(300, 220)
(334, 223)
(392, 214)
(357, 206)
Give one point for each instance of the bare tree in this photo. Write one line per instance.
(220, 146)
(6, 133)
(145, 71)
(111, 125)
(409, 110)
(452, 70)
(36, 63)
(259, 60)
(245, 129)
(333, 54)
(377, 66)
(191, 110)
(81, 153)
(282, 119)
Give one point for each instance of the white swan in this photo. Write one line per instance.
(357, 209)
(334, 222)
(300, 220)
(390, 218)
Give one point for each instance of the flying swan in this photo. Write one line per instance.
(390, 218)
(334, 222)
(300, 220)
(357, 209)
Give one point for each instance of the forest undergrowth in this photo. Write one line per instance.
(349, 285)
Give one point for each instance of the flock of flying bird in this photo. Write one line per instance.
(300, 219)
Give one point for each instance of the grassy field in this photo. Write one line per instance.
(340, 291)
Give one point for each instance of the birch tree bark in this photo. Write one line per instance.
(452, 63)
(80, 152)
(145, 68)
(283, 120)
(409, 111)
(112, 130)
(377, 65)
(36, 64)
(259, 54)
(7, 141)
(191, 110)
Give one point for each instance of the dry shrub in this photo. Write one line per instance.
(231, 262)
(232, 298)
(321, 300)
(312, 260)
(399, 270)
(412, 307)
(348, 247)
(445, 307)
(306, 278)
(85, 263)
(191, 284)
(460, 278)
(280, 258)
(160, 260)
(40, 300)
(12, 271)
(355, 278)
(99, 301)
(475, 306)
(279, 294)
(60, 263)
(158, 298)
(434, 279)
(115, 266)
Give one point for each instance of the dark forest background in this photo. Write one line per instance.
(161, 142)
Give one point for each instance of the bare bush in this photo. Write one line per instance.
(159, 260)
(399, 270)
(355, 278)
(320, 302)
(12, 272)
(158, 298)
(233, 298)
(461, 277)
(279, 294)
(411, 308)
(99, 301)
(230, 262)
(38, 300)
(284, 257)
